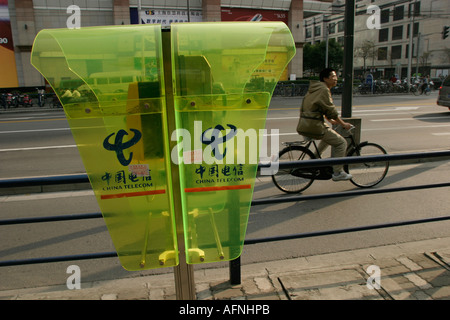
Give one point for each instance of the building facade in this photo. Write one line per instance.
(382, 36)
(27, 17)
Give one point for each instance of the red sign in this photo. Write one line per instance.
(242, 14)
(8, 73)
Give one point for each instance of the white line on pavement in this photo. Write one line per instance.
(36, 130)
(404, 119)
(39, 148)
(441, 134)
(45, 196)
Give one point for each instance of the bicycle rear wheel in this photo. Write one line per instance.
(368, 174)
(294, 180)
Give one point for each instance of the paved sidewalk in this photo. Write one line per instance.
(409, 271)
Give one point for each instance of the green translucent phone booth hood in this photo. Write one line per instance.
(110, 81)
(224, 75)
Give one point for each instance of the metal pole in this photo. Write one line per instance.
(189, 11)
(411, 32)
(235, 271)
(139, 11)
(326, 40)
(184, 273)
(417, 54)
(347, 94)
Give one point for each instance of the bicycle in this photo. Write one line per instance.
(296, 180)
(418, 90)
(425, 89)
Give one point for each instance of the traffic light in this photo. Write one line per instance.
(445, 32)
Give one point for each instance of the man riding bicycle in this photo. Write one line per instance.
(318, 106)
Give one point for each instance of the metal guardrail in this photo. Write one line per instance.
(293, 89)
(43, 181)
(290, 89)
(235, 264)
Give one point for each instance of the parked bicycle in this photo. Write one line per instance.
(295, 180)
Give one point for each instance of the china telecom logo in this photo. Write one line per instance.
(118, 146)
(215, 140)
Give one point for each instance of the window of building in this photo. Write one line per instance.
(382, 53)
(399, 13)
(414, 8)
(340, 40)
(415, 30)
(308, 33)
(316, 31)
(383, 35)
(397, 33)
(341, 26)
(332, 28)
(384, 16)
(396, 52)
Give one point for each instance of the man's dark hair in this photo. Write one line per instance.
(325, 73)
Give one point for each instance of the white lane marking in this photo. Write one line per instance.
(285, 118)
(406, 108)
(46, 196)
(441, 134)
(405, 119)
(408, 127)
(38, 148)
(376, 129)
(40, 117)
(280, 134)
(36, 130)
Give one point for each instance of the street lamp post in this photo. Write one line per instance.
(411, 34)
(325, 20)
(347, 94)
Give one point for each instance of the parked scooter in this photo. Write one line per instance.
(11, 100)
(3, 100)
(27, 101)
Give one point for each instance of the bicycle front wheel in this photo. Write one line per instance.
(293, 180)
(368, 174)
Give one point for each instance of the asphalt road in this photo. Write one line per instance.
(41, 144)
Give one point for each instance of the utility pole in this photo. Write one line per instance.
(325, 20)
(417, 54)
(349, 30)
(411, 34)
(189, 11)
(139, 11)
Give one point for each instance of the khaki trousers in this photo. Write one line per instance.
(338, 146)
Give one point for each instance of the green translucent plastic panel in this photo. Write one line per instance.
(224, 75)
(109, 80)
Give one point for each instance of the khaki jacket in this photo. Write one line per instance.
(316, 104)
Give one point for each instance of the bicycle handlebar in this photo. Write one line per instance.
(352, 127)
